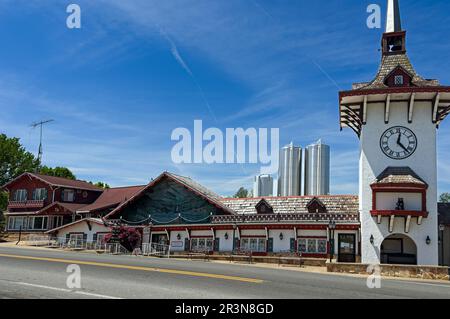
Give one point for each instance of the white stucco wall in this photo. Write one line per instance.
(82, 227)
(225, 245)
(175, 243)
(423, 162)
(281, 245)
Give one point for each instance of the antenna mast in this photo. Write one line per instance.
(40, 124)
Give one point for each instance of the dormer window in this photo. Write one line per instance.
(315, 206)
(263, 207)
(399, 80)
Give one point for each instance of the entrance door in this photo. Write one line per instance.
(347, 248)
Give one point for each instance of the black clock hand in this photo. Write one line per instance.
(403, 146)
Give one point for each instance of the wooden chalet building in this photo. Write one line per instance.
(179, 212)
(38, 202)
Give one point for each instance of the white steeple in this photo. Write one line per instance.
(393, 21)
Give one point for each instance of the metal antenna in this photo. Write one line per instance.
(40, 124)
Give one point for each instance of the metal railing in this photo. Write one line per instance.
(154, 249)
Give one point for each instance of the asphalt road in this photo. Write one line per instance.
(33, 273)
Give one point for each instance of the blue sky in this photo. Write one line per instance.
(139, 69)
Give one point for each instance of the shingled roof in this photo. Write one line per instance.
(111, 197)
(58, 182)
(187, 182)
(399, 175)
(338, 204)
(388, 64)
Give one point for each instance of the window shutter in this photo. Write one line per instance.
(85, 237)
(34, 194)
(216, 244)
(292, 245)
(94, 238)
(67, 238)
(187, 244)
(270, 245)
(236, 243)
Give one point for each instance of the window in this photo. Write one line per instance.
(398, 80)
(38, 223)
(253, 244)
(202, 244)
(40, 194)
(76, 240)
(17, 223)
(20, 195)
(312, 246)
(101, 238)
(68, 195)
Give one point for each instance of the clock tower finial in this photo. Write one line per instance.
(393, 21)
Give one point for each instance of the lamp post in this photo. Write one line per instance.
(442, 229)
(331, 227)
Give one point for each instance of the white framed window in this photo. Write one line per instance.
(312, 245)
(20, 195)
(398, 80)
(17, 223)
(253, 244)
(38, 223)
(101, 238)
(40, 194)
(76, 240)
(68, 195)
(202, 244)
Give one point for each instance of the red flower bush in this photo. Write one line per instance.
(128, 237)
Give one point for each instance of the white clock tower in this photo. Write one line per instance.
(396, 117)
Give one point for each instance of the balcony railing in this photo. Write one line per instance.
(26, 204)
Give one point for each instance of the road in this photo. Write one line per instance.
(35, 273)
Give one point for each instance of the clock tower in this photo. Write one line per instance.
(396, 117)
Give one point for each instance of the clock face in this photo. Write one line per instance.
(398, 143)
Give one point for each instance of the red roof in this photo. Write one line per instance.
(58, 208)
(60, 182)
(112, 197)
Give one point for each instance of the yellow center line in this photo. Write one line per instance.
(117, 266)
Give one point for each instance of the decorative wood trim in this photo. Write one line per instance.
(407, 223)
(391, 223)
(435, 107)
(387, 109)
(411, 108)
(399, 213)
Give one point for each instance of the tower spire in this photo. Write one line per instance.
(393, 21)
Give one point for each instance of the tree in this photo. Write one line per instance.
(101, 185)
(241, 193)
(444, 198)
(3, 204)
(63, 172)
(14, 159)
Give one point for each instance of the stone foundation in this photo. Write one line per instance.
(402, 271)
